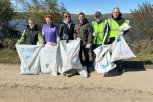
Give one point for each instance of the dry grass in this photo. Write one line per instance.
(9, 56)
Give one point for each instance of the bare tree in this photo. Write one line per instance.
(37, 9)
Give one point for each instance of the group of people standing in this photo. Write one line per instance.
(91, 35)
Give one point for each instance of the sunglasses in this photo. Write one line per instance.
(67, 16)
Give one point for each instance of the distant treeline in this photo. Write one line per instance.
(74, 16)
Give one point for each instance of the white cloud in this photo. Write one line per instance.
(99, 10)
(77, 10)
(13, 2)
(103, 12)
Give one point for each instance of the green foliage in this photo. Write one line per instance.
(37, 9)
(142, 47)
(142, 22)
(142, 29)
(6, 12)
(6, 15)
(9, 43)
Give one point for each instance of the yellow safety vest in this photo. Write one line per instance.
(114, 28)
(99, 28)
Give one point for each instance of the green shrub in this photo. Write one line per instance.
(9, 43)
(142, 47)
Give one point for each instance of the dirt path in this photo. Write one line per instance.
(129, 87)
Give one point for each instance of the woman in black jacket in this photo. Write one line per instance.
(66, 32)
(66, 28)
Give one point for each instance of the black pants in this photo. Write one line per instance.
(94, 46)
(86, 53)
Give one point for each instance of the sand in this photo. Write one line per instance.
(132, 86)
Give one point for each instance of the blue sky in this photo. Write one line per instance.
(105, 6)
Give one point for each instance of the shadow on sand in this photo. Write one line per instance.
(127, 66)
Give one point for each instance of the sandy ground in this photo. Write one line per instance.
(135, 86)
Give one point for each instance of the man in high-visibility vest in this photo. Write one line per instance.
(99, 27)
(114, 25)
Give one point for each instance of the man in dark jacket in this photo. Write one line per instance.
(83, 30)
(31, 35)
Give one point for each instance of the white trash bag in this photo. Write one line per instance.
(70, 57)
(30, 58)
(103, 59)
(121, 50)
(48, 62)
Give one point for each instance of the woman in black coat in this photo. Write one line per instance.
(66, 28)
(66, 32)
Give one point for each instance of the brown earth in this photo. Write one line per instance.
(132, 86)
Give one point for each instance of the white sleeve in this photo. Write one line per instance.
(58, 39)
(43, 32)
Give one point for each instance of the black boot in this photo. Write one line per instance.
(120, 70)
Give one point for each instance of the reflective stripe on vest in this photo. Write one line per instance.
(98, 28)
(114, 27)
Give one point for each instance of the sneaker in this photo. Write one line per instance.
(70, 73)
(54, 74)
(83, 72)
